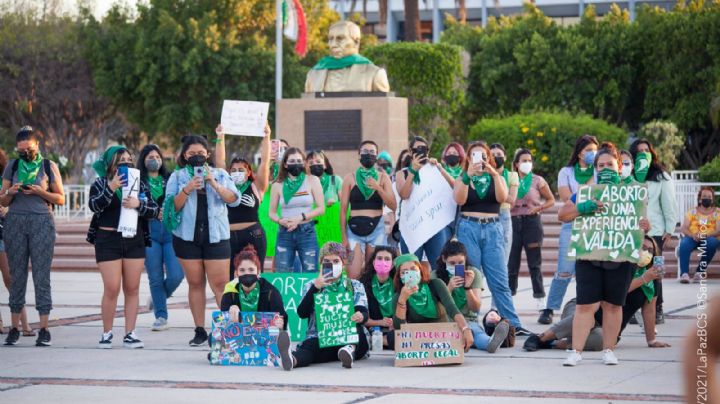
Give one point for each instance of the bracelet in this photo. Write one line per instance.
(464, 329)
(465, 178)
(218, 140)
(183, 190)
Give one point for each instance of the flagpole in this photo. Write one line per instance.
(278, 58)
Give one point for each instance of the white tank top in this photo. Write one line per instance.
(300, 203)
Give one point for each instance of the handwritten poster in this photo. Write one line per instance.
(244, 118)
(251, 342)
(332, 318)
(290, 286)
(428, 344)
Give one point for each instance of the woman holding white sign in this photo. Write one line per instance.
(599, 283)
(301, 198)
(479, 194)
(120, 260)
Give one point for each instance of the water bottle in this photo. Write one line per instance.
(377, 340)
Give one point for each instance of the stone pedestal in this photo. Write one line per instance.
(337, 124)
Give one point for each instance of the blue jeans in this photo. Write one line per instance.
(163, 281)
(506, 222)
(565, 270)
(302, 241)
(481, 339)
(486, 248)
(432, 248)
(688, 245)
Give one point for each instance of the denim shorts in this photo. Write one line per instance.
(376, 238)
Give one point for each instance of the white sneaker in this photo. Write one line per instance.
(540, 303)
(106, 340)
(345, 355)
(609, 357)
(684, 278)
(160, 324)
(573, 358)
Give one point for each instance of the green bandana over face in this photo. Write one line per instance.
(249, 301)
(524, 187)
(291, 186)
(28, 170)
(384, 295)
(422, 302)
(331, 63)
(648, 289)
(582, 175)
(608, 176)
(642, 165)
(453, 171)
(482, 184)
(156, 187)
(361, 175)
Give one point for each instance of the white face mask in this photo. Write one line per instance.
(525, 167)
(239, 177)
(625, 171)
(337, 270)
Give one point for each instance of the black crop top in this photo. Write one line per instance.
(244, 213)
(489, 204)
(358, 201)
(110, 217)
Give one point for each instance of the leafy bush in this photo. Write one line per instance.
(549, 136)
(710, 172)
(667, 139)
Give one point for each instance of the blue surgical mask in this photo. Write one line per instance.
(590, 157)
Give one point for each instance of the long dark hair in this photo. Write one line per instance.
(141, 161)
(580, 144)
(115, 160)
(657, 171)
(519, 153)
(369, 270)
(319, 153)
(188, 141)
(283, 173)
(451, 248)
(401, 160)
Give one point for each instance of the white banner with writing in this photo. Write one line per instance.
(245, 118)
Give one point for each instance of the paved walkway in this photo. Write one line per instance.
(73, 370)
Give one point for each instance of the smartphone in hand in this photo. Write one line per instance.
(123, 173)
(659, 263)
(327, 270)
(199, 171)
(460, 270)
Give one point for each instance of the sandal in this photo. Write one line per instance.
(28, 333)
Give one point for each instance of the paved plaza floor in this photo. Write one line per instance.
(167, 369)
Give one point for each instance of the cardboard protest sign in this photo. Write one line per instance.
(246, 118)
(428, 344)
(613, 234)
(332, 319)
(429, 209)
(251, 342)
(127, 225)
(290, 286)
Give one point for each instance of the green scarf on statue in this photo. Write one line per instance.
(422, 302)
(331, 63)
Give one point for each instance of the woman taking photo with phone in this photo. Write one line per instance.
(196, 210)
(120, 260)
(365, 193)
(245, 228)
(162, 266)
(301, 200)
(377, 277)
(479, 194)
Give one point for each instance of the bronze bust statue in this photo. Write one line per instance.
(346, 69)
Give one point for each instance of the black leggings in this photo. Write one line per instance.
(658, 285)
(239, 239)
(527, 233)
(309, 351)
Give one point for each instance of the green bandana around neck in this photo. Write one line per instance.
(642, 165)
(325, 182)
(648, 289)
(28, 170)
(459, 297)
(339, 285)
(482, 184)
(608, 176)
(361, 175)
(582, 175)
(331, 63)
(249, 301)
(156, 187)
(242, 187)
(422, 302)
(454, 172)
(524, 187)
(384, 295)
(291, 186)
(627, 180)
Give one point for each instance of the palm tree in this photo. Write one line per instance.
(412, 20)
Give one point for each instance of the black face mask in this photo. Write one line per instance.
(499, 162)
(706, 203)
(295, 169)
(247, 279)
(317, 170)
(368, 160)
(452, 160)
(28, 155)
(197, 160)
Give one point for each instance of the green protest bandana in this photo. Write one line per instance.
(422, 302)
(156, 187)
(482, 184)
(642, 165)
(459, 297)
(361, 175)
(249, 301)
(101, 166)
(608, 176)
(453, 171)
(648, 289)
(384, 295)
(242, 187)
(28, 170)
(331, 63)
(524, 187)
(582, 175)
(291, 186)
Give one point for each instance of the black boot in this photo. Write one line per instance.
(545, 317)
